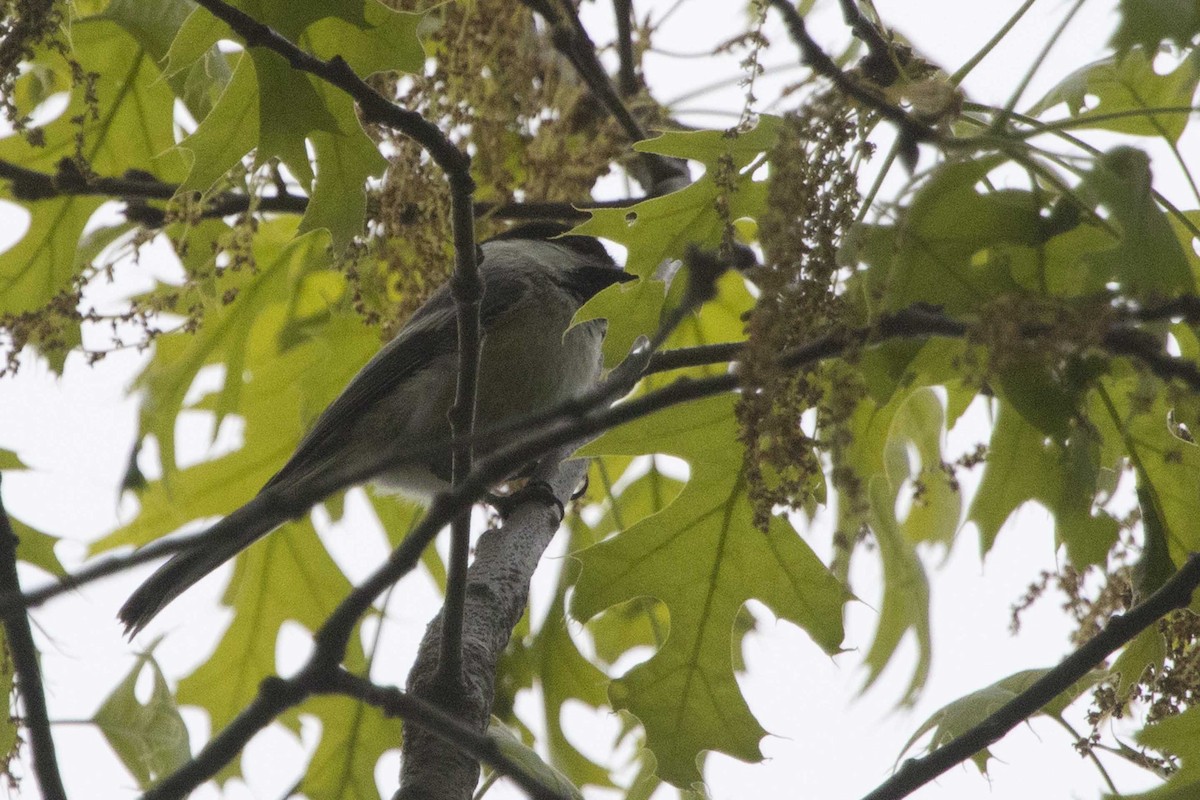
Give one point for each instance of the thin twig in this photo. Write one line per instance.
(28, 671)
(10, 599)
(914, 773)
(973, 61)
(1002, 118)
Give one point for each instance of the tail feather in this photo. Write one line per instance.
(220, 543)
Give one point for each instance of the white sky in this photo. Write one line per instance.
(828, 743)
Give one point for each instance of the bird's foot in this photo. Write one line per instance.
(534, 490)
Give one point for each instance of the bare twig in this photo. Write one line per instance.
(28, 671)
(12, 599)
(1175, 593)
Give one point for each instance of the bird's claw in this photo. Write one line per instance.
(533, 490)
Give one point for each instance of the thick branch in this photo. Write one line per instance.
(276, 695)
(1175, 593)
(28, 671)
(496, 594)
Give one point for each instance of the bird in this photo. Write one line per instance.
(534, 277)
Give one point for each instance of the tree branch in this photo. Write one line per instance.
(496, 594)
(452, 732)
(911, 131)
(32, 185)
(627, 71)
(465, 284)
(1175, 593)
(276, 695)
(881, 67)
(571, 39)
(28, 671)
(587, 415)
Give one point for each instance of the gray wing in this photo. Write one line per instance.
(430, 333)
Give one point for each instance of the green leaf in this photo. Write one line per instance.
(1024, 466)
(151, 739)
(152, 23)
(133, 127)
(37, 548)
(905, 604)
(263, 593)
(1128, 83)
(156, 25)
(1180, 736)
(1133, 417)
(1148, 649)
(527, 758)
(877, 453)
(1154, 567)
(227, 133)
(195, 65)
(565, 675)
(662, 228)
(231, 330)
(951, 224)
(710, 147)
(354, 736)
(919, 423)
(275, 110)
(959, 716)
(703, 558)
(1149, 260)
(1148, 23)
(339, 198)
(10, 460)
(290, 109)
(384, 39)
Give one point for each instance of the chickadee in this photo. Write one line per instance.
(529, 362)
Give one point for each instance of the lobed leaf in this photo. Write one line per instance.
(703, 559)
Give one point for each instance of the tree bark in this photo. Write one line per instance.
(496, 593)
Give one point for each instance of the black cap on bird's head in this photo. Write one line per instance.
(554, 231)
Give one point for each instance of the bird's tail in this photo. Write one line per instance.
(219, 544)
